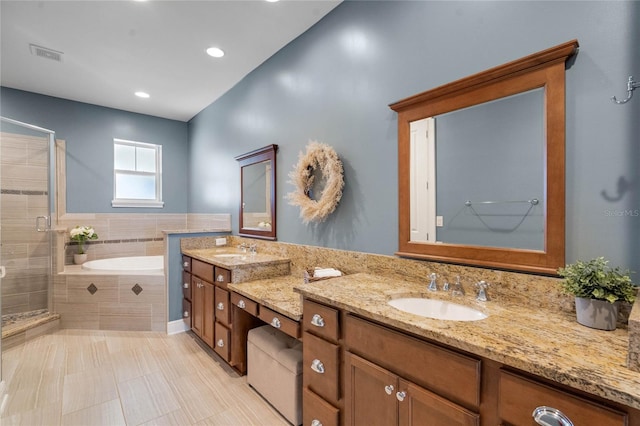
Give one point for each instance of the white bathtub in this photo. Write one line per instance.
(151, 264)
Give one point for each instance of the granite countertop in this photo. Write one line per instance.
(274, 293)
(545, 343)
(233, 259)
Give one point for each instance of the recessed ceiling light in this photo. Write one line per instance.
(142, 94)
(272, 1)
(216, 52)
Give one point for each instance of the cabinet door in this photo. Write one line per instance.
(223, 310)
(370, 393)
(197, 305)
(186, 285)
(417, 406)
(222, 276)
(208, 313)
(186, 312)
(222, 341)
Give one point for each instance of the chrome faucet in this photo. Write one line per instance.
(432, 285)
(482, 291)
(458, 290)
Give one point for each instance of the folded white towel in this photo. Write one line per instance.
(326, 272)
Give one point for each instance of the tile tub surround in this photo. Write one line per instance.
(539, 341)
(114, 302)
(132, 234)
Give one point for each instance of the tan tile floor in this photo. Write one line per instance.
(87, 378)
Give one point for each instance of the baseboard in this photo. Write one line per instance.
(177, 326)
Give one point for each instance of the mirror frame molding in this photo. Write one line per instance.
(258, 156)
(545, 69)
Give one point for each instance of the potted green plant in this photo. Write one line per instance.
(598, 290)
(82, 234)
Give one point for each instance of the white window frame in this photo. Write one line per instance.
(135, 202)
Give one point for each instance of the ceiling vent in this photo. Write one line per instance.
(46, 53)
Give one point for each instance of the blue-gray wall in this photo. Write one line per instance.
(334, 83)
(89, 131)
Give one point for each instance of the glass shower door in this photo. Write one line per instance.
(25, 212)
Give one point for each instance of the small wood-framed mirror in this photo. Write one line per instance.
(258, 193)
(540, 76)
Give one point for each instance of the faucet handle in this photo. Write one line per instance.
(482, 291)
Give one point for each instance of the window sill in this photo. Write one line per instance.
(138, 203)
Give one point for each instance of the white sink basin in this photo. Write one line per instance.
(437, 309)
(229, 255)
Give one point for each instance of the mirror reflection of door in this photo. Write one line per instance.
(256, 193)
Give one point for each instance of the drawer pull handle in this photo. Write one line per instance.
(317, 366)
(389, 389)
(316, 422)
(185, 285)
(185, 314)
(221, 306)
(241, 304)
(221, 343)
(401, 395)
(548, 416)
(275, 322)
(185, 265)
(220, 278)
(317, 320)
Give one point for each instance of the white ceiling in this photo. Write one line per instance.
(112, 49)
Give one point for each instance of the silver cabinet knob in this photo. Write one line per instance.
(241, 304)
(185, 314)
(275, 322)
(549, 416)
(221, 343)
(317, 366)
(316, 422)
(389, 389)
(221, 306)
(220, 278)
(185, 285)
(401, 395)
(185, 265)
(317, 320)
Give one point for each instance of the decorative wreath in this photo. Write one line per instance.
(323, 157)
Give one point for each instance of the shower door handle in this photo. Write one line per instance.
(40, 220)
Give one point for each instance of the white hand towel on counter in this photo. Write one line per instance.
(326, 272)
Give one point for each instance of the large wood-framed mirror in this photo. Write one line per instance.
(495, 198)
(257, 217)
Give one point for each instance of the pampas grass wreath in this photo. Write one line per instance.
(318, 156)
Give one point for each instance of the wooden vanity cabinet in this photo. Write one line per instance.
(186, 291)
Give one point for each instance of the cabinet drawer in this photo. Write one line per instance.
(321, 367)
(186, 312)
(279, 321)
(223, 310)
(186, 285)
(245, 303)
(321, 320)
(223, 277)
(518, 396)
(316, 409)
(448, 373)
(221, 344)
(186, 263)
(202, 269)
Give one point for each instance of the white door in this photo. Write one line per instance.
(423, 180)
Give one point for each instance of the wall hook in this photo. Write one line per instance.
(631, 86)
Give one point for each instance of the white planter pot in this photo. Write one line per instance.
(79, 259)
(598, 314)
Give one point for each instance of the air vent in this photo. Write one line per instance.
(46, 53)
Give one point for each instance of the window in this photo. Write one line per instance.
(137, 174)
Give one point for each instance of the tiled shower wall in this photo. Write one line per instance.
(24, 195)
